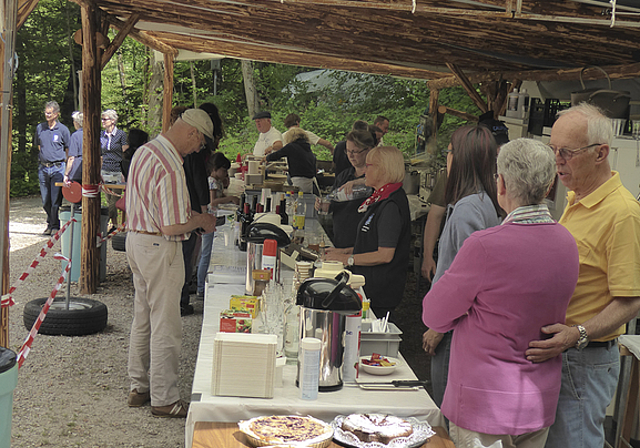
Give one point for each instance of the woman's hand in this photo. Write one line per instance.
(430, 340)
(428, 268)
(348, 187)
(234, 200)
(317, 204)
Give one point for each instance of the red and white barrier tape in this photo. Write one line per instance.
(90, 191)
(101, 238)
(107, 190)
(7, 299)
(26, 346)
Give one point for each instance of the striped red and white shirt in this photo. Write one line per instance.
(157, 193)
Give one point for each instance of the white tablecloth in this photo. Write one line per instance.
(350, 399)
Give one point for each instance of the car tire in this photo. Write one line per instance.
(118, 242)
(84, 316)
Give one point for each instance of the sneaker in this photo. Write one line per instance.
(54, 231)
(200, 295)
(137, 399)
(111, 230)
(178, 409)
(47, 231)
(186, 310)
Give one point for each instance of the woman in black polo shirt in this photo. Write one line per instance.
(381, 250)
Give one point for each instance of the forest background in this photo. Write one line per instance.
(49, 61)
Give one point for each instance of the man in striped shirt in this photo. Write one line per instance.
(159, 218)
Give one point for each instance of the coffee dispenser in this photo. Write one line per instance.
(257, 233)
(325, 303)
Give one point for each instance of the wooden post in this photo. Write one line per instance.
(167, 99)
(432, 136)
(7, 48)
(91, 85)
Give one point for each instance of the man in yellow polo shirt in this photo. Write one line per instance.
(604, 218)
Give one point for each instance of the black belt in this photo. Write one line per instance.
(606, 344)
(50, 164)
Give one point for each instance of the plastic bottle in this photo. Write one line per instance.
(309, 368)
(290, 208)
(358, 192)
(291, 326)
(512, 104)
(523, 104)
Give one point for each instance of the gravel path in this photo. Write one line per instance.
(72, 391)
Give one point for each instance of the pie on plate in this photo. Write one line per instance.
(380, 431)
(287, 430)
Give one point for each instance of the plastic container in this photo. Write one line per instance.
(8, 382)
(353, 328)
(386, 344)
(512, 104)
(65, 240)
(523, 104)
(309, 368)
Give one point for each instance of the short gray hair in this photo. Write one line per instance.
(77, 117)
(111, 115)
(599, 126)
(52, 105)
(529, 168)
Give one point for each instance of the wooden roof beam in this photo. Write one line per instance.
(263, 53)
(468, 87)
(144, 38)
(119, 39)
(566, 74)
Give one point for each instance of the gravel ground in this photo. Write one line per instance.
(72, 391)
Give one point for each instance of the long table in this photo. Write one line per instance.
(206, 407)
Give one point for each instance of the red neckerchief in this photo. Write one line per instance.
(379, 195)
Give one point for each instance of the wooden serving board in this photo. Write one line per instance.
(227, 435)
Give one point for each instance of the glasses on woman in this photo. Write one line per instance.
(353, 153)
(567, 154)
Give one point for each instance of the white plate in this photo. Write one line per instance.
(379, 370)
(421, 432)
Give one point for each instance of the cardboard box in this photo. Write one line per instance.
(249, 304)
(232, 321)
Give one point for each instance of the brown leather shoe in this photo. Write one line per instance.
(176, 410)
(137, 399)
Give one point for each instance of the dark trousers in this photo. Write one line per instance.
(51, 195)
(188, 247)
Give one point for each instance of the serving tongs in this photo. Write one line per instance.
(393, 385)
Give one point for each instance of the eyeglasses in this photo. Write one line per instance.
(369, 165)
(353, 153)
(105, 119)
(567, 154)
(496, 176)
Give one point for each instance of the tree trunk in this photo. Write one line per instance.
(250, 88)
(123, 82)
(76, 102)
(155, 98)
(193, 85)
(20, 95)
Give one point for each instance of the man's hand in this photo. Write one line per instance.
(428, 268)
(563, 338)
(430, 340)
(207, 222)
(66, 180)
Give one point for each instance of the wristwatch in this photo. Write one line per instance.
(350, 261)
(584, 338)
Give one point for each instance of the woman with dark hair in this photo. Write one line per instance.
(345, 214)
(472, 205)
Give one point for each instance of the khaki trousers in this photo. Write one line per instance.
(156, 331)
(464, 438)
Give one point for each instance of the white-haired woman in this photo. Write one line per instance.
(73, 170)
(113, 144)
(300, 158)
(505, 283)
(381, 250)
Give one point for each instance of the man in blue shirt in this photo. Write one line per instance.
(52, 139)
